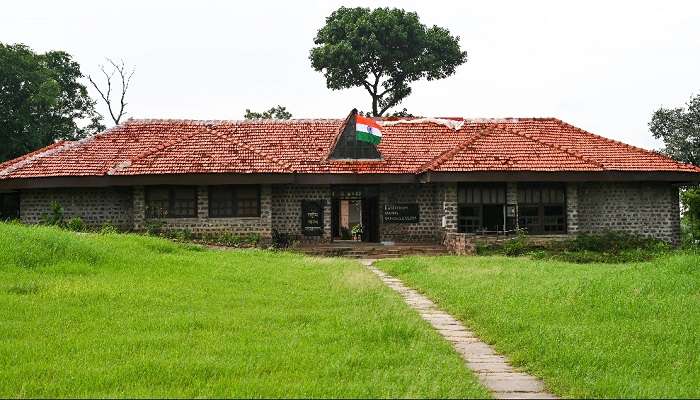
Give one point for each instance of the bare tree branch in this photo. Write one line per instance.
(125, 76)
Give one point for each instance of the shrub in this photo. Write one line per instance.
(54, 217)
(280, 240)
(107, 229)
(691, 215)
(516, 246)
(183, 235)
(232, 240)
(613, 242)
(76, 224)
(153, 227)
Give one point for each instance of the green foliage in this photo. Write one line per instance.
(278, 112)
(182, 235)
(691, 217)
(606, 247)
(229, 239)
(516, 246)
(590, 331)
(76, 224)
(54, 217)
(153, 227)
(679, 128)
(108, 229)
(383, 50)
(136, 316)
(41, 100)
(356, 231)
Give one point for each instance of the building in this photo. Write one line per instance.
(428, 179)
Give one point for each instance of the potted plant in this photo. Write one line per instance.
(357, 232)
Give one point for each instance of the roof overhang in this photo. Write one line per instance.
(348, 178)
(562, 176)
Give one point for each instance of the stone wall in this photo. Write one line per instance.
(429, 199)
(286, 209)
(203, 224)
(95, 206)
(649, 209)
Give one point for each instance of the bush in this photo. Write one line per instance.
(153, 227)
(232, 240)
(107, 229)
(691, 215)
(516, 246)
(613, 242)
(76, 224)
(183, 235)
(54, 217)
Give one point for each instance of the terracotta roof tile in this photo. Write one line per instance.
(146, 147)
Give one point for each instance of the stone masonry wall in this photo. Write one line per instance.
(203, 223)
(429, 199)
(649, 209)
(286, 209)
(95, 206)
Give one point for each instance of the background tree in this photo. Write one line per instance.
(679, 128)
(383, 50)
(41, 100)
(278, 112)
(116, 108)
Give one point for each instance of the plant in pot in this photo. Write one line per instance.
(357, 232)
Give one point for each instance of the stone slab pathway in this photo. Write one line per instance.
(492, 369)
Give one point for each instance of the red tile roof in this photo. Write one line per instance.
(148, 147)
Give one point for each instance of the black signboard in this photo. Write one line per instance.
(401, 213)
(312, 218)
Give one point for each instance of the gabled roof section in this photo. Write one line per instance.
(408, 147)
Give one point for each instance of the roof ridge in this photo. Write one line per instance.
(629, 146)
(448, 154)
(554, 146)
(287, 166)
(231, 121)
(13, 161)
(53, 149)
(120, 166)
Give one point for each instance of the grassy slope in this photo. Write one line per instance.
(590, 330)
(123, 315)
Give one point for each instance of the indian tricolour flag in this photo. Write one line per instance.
(367, 130)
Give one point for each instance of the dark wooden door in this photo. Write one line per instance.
(370, 219)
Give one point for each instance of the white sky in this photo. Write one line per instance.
(604, 66)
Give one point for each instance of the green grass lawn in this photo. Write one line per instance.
(592, 330)
(130, 316)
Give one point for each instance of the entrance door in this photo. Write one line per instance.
(370, 219)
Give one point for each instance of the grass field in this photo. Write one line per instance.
(591, 330)
(130, 316)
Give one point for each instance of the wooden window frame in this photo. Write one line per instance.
(171, 202)
(480, 204)
(235, 211)
(541, 205)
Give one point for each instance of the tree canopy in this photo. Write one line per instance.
(41, 100)
(278, 112)
(383, 50)
(679, 128)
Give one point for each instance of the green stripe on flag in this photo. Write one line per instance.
(368, 137)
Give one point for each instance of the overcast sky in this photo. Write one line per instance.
(604, 66)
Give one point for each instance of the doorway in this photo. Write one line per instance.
(355, 214)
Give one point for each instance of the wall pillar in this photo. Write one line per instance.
(449, 207)
(572, 208)
(139, 208)
(266, 211)
(203, 202)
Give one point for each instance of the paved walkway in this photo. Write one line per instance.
(491, 368)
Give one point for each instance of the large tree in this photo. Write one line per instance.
(383, 50)
(41, 100)
(679, 128)
(278, 112)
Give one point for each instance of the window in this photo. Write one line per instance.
(171, 202)
(9, 206)
(542, 208)
(234, 201)
(481, 208)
